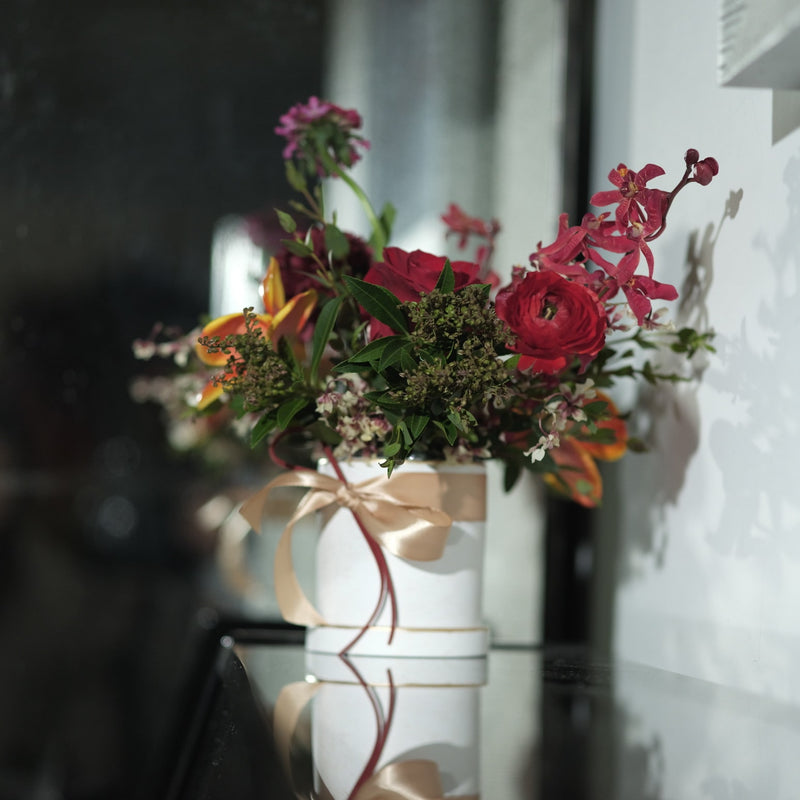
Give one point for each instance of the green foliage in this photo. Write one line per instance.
(378, 302)
(286, 221)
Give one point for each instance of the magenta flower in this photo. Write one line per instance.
(639, 291)
(318, 132)
(635, 201)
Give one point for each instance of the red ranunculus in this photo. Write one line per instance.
(554, 320)
(407, 275)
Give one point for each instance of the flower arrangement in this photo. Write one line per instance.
(359, 348)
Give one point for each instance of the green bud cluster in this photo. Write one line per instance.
(254, 370)
(457, 338)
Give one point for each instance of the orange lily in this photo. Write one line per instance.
(578, 476)
(281, 318)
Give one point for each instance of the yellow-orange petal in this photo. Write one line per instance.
(221, 326)
(578, 477)
(227, 325)
(272, 291)
(294, 315)
(210, 393)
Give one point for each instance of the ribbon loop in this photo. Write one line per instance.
(402, 514)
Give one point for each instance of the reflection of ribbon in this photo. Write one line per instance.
(407, 780)
(409, 514)
(416, 779)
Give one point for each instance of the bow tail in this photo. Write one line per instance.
(292, 601)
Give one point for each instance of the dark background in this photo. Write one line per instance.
(127, 129)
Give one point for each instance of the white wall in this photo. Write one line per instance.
(705, 529)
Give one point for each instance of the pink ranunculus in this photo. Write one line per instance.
(407, 275)
(554, 320)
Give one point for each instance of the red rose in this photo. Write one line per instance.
(554, 320)
(407, 275)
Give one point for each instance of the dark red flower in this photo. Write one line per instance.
(554, 320)
(297, 272)
(407, 275)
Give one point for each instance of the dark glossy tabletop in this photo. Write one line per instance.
(522, 723)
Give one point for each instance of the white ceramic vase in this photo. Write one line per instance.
(438, 603)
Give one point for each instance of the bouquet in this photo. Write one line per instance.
(357, 348)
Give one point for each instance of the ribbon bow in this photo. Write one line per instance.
(409, 514)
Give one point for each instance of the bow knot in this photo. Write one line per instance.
(347, 497)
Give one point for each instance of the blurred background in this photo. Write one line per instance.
(137, 148)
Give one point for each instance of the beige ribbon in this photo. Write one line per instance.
(417, 779)
(409, 514)
(407, 780)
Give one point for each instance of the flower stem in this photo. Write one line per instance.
(378, 239)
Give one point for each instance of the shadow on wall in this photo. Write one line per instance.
(668, 414)
(762, 431)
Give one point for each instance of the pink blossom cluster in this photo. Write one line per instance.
(362, 428)
(604, 251)
(318, 130)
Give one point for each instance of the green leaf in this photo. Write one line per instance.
(369, 354)
(385, 401)
(387, 216)
(604, 436)
(416, 424)
(322, 332)
(407, 362)
(286, 352)
(596, 408)
(391, 449)
(265, 425)
(448, 429)
(294, 177)
(447, 280)
(286, 221)
(455, 418)
(321, 432)
(403, 430)
(636, 445)
(398, 352)
(336, 242)
(297, 248)
(378, 302)
(289, 410)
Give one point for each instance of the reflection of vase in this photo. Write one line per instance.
(431, 738)
(438, 602)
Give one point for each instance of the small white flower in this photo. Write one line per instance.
(545, 443)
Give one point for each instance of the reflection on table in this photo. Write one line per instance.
(522, 723)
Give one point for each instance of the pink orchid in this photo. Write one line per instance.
(633, 196)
